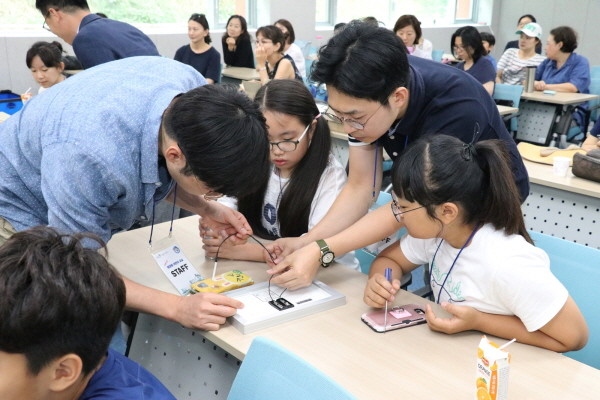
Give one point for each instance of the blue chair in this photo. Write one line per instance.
(436, 55)
(578, 133)
(271, 372)
(509, 95)
(578, 268)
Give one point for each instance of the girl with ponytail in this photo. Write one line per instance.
(461, 208)
(305, 178)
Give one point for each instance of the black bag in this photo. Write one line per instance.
(587, 166)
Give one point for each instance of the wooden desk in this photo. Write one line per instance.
(240, 73)
(558, 98)
(564, 206)
(505, 110)
(539, 112)
(412, 363)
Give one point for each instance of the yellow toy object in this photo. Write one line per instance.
(222, 283)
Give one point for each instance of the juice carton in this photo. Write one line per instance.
(492, 371)
(224, 282)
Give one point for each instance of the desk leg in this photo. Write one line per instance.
(189, 365)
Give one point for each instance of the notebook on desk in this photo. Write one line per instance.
(259, 314)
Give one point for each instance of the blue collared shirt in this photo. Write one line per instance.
(576, 71)
(83, 157)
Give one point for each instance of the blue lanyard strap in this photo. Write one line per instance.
(437, 300)
(172, 216)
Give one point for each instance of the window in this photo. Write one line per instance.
(139, 12)
(429, 12)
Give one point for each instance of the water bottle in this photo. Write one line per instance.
(529, 79)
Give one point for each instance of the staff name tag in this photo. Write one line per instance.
(175, 265)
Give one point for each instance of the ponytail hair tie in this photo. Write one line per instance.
(318, 116)
(468, 151)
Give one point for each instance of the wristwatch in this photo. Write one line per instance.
(327, 256)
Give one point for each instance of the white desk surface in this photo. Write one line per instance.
(244, 74)
(412, 363)
(559, 97)
(542, 174)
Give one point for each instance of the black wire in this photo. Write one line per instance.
(270, 255)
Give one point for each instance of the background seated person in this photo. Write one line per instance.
(291, 48)
(524, 20)
(467, 46)
(489, 41)
(271, 62)
(512, 67)
(58, 349)
(199, 53)
(237, 49)
(408, 28)
(564, 70)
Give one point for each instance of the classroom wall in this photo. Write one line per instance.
(14, 74)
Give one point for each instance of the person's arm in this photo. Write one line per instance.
(299, 268)
(351, 204)
(245, 54)
(218, 217)
(591, 142)
(499, 75)
(489, 87)
(261, 61)
(206, 311)
(378, 290)
(566, 87)
(228, 55)
(285, 70)
(214, 67)
(567, 331)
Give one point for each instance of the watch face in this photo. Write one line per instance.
(327, 258)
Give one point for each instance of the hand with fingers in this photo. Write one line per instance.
(207, 311)
(379, 290)
(463, 318)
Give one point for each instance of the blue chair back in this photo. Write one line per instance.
(578, 268)
(271, 372)
(510, 93)
(436, 55)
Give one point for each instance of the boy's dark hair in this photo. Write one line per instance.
(470, 39)
(244, 35)
(567, 36)
(223, 136)
(291, 97)
(201, 19)
(363, 61)
(64, 5)
(58, 297)
(51, 54)
(274, 34)
(531, 17)
(406, 20)
(488, 37)
(439, 168)
(290, 36)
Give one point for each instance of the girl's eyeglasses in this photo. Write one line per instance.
(289, 145)
(397, 213)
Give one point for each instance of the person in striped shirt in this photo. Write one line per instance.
(513, 64)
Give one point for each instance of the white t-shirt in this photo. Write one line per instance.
(332, 181)
(513, 68)
(295, 52)
(423, 50)
(496, 274)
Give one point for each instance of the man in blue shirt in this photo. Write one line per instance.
(95, 40)
(386, 99)
(61, 304)
(95, 153)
